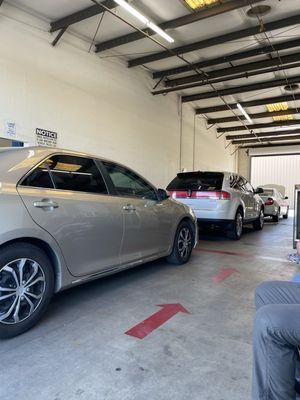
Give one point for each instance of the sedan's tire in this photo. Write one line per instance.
(275, 218)
(183, 244)
(258, 224)
(26, 287)
(285, 216)
(235, 233)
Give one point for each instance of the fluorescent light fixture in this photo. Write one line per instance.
(243, 111)
(144, 20)
(196, 4)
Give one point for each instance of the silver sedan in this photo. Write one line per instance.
(67, 218)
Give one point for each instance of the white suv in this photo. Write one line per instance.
(220, 199)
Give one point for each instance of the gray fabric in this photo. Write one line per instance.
(276, 337)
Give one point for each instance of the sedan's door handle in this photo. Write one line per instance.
(45, 203)
(129, 207)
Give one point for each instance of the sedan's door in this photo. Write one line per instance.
(67, 196)
(148, 222)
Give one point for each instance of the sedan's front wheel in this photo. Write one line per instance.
(183, 244)
(26, 287)
(258, 224)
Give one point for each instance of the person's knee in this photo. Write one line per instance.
(262, 324)
(261, 293)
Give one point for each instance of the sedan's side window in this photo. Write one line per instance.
(127, 183)
(66, 172)
(39, 177)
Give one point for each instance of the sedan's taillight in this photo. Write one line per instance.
(269, 202)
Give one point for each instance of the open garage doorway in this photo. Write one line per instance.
(279, 169)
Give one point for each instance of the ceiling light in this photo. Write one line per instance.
(258, 11)
(277, 107)
(287, 117)
(243, 111)
(144, 20)
(291, 88)
(196, 4)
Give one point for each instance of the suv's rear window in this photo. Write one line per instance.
(204, 181)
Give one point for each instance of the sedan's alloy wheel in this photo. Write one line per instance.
(184, 242)
(22, 286)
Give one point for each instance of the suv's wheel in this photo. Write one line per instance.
(183, 244)
(237, 229)
(275, 218)
(287, 214)
(258, 224)
(26, 287)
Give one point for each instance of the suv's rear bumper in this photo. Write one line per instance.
(216, 223)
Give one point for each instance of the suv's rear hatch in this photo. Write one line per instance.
(200, 190)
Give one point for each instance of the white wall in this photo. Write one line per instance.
(95, 105)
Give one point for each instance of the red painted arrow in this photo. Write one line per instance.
(167, 311)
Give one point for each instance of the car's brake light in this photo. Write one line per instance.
(215, 195)
(178, 194)
(269, 202)
(218, 195)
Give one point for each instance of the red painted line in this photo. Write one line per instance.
(167, 311)
(228, 253)
(223, 274)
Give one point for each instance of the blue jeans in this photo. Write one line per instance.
(276, 338)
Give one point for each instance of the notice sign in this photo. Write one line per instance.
(46, 138)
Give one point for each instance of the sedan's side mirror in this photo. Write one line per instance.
(258, 190)
(162, 194)
(286, 197)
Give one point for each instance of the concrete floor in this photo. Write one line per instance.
(80, 351)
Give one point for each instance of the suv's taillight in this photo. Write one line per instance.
(178, 194)
(269, 202)
(216, 195)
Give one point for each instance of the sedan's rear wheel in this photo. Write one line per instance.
(26, 287)
(237, 228)
(285, 216)
(276, 217)
(183, 244)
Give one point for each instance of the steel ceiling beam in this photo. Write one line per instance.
(272, 145)
(225, 79)
(263, 134)
(251, 103)
(271, 139)
(241, 89)
(254, 66)
(266, 114)
(258, 126)
(176, 23)
(81, 15)
(217, 40)
(227, 59)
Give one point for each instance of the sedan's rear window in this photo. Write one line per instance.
(204, 181)
(268, 192)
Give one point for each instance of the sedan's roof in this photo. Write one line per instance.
(16, 162)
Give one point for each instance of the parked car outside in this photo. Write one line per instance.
(276, 204)
(220, 199)
(67, 218)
